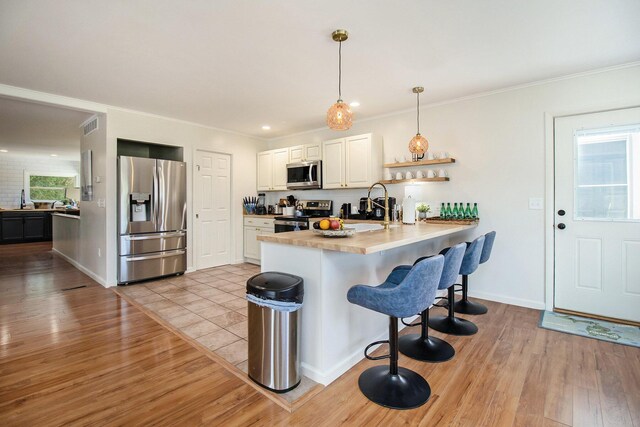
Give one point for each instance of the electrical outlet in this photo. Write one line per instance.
(536, 203)
(101, 203)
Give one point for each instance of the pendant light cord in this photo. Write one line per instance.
(340, 71)
(418, 115)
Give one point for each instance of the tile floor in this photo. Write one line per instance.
(208, 306)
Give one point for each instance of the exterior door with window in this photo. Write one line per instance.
(597, 214)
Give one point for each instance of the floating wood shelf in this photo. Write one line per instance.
(409, 181)
(420, 163)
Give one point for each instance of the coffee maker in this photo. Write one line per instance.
(377, 208)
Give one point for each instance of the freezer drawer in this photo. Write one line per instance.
(139, 267)
(135, 244)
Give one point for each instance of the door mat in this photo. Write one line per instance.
(591, 328)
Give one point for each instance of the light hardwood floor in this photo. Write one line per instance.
(87, 357)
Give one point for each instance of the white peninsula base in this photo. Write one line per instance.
(334, 332)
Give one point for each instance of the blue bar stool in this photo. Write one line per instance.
(407, 291)
(465, 306)
(422, 346)
(451, 324)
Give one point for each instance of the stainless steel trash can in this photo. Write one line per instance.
(275, 301)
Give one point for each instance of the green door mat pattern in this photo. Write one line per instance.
(591, 328)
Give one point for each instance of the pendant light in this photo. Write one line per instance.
(339, 115)
(418, 144)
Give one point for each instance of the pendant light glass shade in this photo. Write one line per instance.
(418, 144)
(339, 115)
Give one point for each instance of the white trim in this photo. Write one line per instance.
(473, 96)
(82, 268)
(45, 98)
(549, 212)
(520, 302)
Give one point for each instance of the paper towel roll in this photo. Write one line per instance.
(408, 211)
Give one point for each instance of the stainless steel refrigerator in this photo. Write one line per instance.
(152, 218)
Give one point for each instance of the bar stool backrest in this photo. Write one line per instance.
(418, 289)
(488, 245)
(471, 258)
(452, 262)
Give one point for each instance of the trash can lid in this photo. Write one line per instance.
(276, 286)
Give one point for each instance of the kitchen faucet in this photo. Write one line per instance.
(385, 223)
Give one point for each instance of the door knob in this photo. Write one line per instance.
(561, 226)
(561, 212)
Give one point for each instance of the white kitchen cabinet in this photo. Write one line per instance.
(305, 153)
(254, 227)
(272, 170)
(351, 162)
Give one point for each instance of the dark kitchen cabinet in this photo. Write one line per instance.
(18, 227)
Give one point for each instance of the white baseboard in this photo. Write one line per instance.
(326, 378)
(538, 305)
(82, 268)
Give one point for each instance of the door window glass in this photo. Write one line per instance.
(607, 174)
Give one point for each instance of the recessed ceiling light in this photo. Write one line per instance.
(354, 104)
(53, 155)
(266, 127)
(4, 151)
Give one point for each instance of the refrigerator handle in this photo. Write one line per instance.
(154, 208)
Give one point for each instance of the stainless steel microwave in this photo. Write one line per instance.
(304, 175)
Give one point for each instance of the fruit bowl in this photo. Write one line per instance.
(345, 232)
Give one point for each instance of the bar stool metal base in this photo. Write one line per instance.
(405, 390)
(466, 306)
(431, 349)
(452, 325)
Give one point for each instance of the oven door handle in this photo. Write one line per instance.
(300, 224)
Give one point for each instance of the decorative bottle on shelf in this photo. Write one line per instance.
(474, 211)
(467, 211)
(455, 212)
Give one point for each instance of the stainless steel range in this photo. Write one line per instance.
(310, 209)
(152, 218)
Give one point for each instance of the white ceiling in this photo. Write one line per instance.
(237, 64)
(34, 130)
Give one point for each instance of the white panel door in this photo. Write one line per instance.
(280, 160)
(597, 214)
(212, 200)
(358, 161)
(265, 171)
(333, 164)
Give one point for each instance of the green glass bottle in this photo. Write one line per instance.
(443, 211)
(467, 211)
(474, 211)
(448, 212)
(461, 211)
(455, 212)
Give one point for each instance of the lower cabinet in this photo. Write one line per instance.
(19, 227)
(253, 227)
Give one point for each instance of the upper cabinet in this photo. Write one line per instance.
(351, 162)
(272, 169)
(305, 153)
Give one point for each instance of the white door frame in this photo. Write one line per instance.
(232, 222)
(549, 191)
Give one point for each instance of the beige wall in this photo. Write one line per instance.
(499, 143)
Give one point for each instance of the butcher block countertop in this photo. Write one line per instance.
(367, 242)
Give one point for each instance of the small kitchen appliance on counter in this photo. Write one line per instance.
(310, 209)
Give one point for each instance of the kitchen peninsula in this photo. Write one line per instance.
(335, 332)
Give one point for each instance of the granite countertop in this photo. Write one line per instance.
(367, 242)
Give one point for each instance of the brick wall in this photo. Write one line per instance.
(12, 175)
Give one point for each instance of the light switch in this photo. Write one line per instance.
(536, 203)
(101, 203)
(98, 178)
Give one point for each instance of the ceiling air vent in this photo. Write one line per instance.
(90, 125)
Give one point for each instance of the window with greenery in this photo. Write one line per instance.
(44, 187)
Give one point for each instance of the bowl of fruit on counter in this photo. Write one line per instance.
(332, 227)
